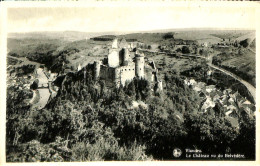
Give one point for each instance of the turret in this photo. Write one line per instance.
(96, 69)
(139, 65)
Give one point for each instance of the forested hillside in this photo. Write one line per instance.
(88, 121)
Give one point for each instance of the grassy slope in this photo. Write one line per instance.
(250, 35)
(26, 46)
(245, 62)
(88, 52)
(233, 34)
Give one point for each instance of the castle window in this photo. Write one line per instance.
(140, 68)
(125, 69)
(129, 69)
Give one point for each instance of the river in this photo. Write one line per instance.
(42, 94)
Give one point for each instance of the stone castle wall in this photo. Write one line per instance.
(107, 73)
(119, 75)
(125, 73)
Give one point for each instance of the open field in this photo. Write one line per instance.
(234, 34)
(200, 36)
(166, 63)
(245, 62)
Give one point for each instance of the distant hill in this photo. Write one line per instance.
(201, 35)
(212, 36)
(147, 38)
(65, 35)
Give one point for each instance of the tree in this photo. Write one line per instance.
(210, 133)
(35, 84)
(246, 140)
(169, 35)
(178, 50)
(185, 50)
(244, 43)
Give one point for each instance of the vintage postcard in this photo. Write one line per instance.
(130, 81)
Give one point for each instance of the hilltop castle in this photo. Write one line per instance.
(120, 66)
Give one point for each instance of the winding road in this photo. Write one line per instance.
(250, 87)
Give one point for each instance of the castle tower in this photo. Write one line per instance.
(113, 58)
(139, 65)
(96, 69)
(115, 43)
(113, 55)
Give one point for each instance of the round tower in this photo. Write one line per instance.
(139, 65)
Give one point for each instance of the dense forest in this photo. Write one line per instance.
(88, 121)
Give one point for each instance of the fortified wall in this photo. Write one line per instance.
(124, 74)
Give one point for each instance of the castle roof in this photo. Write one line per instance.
(122, 43)
(119, 43)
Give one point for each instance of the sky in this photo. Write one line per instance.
(127, 19)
